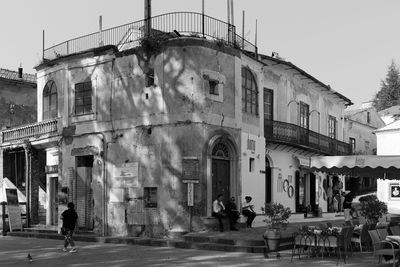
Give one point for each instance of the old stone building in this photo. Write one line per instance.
(143, 131)
(17, 98)
(360, 124)
(17, 107)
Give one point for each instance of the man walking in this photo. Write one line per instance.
(69, 218)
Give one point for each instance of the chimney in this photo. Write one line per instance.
(20, 72)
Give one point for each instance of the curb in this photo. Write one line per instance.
(225, 245)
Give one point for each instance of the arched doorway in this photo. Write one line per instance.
(221, 171)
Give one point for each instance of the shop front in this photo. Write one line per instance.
(357, 174)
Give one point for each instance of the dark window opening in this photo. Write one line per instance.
(15, 169)
(213, 87)
(150, 78)
(249, 92)
(84, 161)
(353, 145)
(83, 98)
(268, 104)
(49, 101)
(332, 127)
(304, 115)
(251, 164)
(150, 197)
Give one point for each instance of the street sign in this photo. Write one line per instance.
(190, 194)
(14, 211)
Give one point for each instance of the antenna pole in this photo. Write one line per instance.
(43, 46)
(232, 20)
(243, 15)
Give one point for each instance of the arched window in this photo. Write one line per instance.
(249, 92)
(50, 101)
(220, 150)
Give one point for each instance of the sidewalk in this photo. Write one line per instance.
(45, 252)
(248, 240)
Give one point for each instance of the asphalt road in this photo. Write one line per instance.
(47, 252)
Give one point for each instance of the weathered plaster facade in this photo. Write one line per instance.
(158, 119)
(19, 92)
(156, 128)
(360, 125)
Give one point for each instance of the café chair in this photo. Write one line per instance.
(363, 238)
(383, 247)
(382, 232)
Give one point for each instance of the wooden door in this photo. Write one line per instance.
(300, 192)
(221, 179)
(54, 200)
(268, 182)
(84, 197)
(312, 192)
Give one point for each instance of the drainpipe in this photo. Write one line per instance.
(27, 187)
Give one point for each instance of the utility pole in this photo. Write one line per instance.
(147, 17)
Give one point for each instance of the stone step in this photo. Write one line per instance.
(229, 248)
(219, 244)
(223, 241)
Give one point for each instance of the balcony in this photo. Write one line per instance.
(294, 135)
(168, 25)
(42, 129)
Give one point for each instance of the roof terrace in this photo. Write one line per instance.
(174, 24)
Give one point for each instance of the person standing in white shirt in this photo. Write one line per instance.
(218, 211)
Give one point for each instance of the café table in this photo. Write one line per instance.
(393, 238)
(316, 241)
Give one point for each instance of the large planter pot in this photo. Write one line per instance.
(272, 238)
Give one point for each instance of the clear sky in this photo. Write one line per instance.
(346, 44)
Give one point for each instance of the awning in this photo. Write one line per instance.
(384, 167)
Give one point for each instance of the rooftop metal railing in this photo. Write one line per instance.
(185, 23)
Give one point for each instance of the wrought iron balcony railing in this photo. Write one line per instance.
(291, 134)
(32, 130)
(128, 35)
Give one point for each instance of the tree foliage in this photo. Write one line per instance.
(389, 94)
(372, 208)
(277, 214)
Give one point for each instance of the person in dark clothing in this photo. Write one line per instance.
(248, 210)
(233, 213)
(69, 218)
(348, 199)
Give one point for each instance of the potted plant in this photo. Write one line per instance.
(372, 209)
(277, 219)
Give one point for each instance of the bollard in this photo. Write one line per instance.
(3, 215)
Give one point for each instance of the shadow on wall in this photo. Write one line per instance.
(177, 93)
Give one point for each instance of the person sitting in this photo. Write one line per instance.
(219, 211)
(248, 210)
(233, 213)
